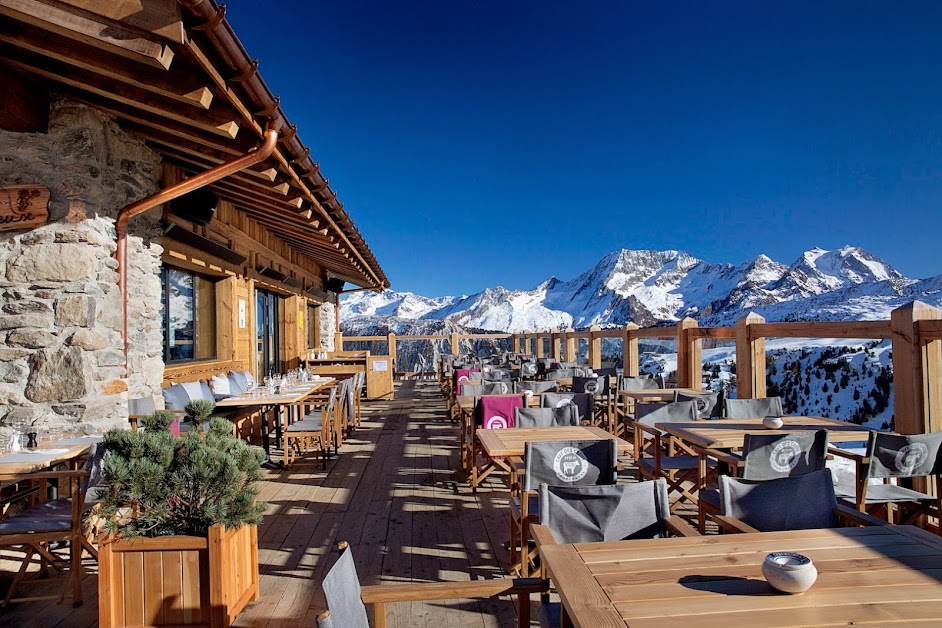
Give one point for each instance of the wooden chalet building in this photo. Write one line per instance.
(160, 217)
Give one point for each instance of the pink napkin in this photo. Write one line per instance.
(498, 412)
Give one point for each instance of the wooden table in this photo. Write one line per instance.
(510, 442)
(43, 457)
(730, 433)
(293, 394)
(465, 405)
(658, 395)
(866, 575)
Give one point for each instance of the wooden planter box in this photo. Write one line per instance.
(178, 580)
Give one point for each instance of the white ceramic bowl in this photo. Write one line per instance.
(773, 422)
(789, 572)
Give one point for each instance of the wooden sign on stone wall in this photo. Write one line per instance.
(23, 207)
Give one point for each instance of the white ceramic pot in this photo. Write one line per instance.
(773, 422)
(789, 572)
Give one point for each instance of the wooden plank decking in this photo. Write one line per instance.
(392, 494)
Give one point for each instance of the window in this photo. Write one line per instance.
(188, 316)
(313, 326)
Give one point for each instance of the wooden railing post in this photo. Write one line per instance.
(455, 344)
(689, 356)
(525, 342)
(570, 345)
(555, 348)
(750, 359)
(595, 348)
(391, 341)
(338, 341)
(539, 345)
(916, 371)
(629, 351)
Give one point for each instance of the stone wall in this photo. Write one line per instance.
(328, 325)
(61, 355)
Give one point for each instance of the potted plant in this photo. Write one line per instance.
(178, 517)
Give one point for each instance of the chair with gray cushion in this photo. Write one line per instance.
(346, 599)
(801, 502)
(535, 386)
(546, 417)
(486, 388)
(55, 521)
(139, 408)
(623, 408)
(598, 387)
(565, 463)
(709, 405)
(584, 403)
(752, 408)
(494, 374)
(529, 369)
(662, 456)
(590, 514)
(314, 432)
(560, 373)
(768, 457)
(889, 458)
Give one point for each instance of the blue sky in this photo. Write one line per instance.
(498, 143)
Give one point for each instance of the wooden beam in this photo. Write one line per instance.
(159, 17)
(91, 29)
(216, 120)
(24, 105)
(183, 84)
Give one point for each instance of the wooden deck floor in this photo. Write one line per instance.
(392, 494)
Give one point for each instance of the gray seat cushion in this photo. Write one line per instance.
(310, 423)
(51, 516)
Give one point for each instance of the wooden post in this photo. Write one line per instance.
(750, 359)
(629, 351)
(570, 345)
(455, 344)
(595, 348)
(391, 341)
(916, 371)
(539, 345)
(689, 356)
(555, 352)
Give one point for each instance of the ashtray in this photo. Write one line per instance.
(773, 422)
(789, 572)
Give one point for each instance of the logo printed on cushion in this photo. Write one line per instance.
(702, 404)
(591, 387)
(564, 402)
(570, 464)
(502, 388)
(785, 456)
(463, 378)
(496, 423)
(529, 368)
(911, 457)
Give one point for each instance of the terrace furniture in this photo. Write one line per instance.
(889, 458)
(139, 408)
(465, 406)
(503, 444)
(546, 417)
(57, 520)
(486, 388)
(315, 430)
(563, 462)
(767, 457)
(709, 404)
(584, 403)
(598, 387)
(752, 408)
(595, 514)
(346, 599)
(535, 386)
(866, 575)
(668, 458)
(801, 502)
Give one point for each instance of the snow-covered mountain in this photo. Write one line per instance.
(649, 287)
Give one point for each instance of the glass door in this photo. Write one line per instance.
(266, 333)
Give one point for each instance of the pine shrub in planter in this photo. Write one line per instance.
(180, 516)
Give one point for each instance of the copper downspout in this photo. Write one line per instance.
(260, 153)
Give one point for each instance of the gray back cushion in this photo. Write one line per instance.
(143, 406)
(709, 405)
(570, 462)
(546, 417)
(175, 397)
(651, 413)
(342, 591)
(584, 402)
(895, 455)
(794, 503)
(535, 386)
(529, 369)
(586, 514)
(559, 374)
(770, 456)
(753, 408)
(592, 385)
(637, 383)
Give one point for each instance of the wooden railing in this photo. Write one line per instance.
(915, 331)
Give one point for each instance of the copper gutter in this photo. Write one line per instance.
(260, 153)
(208, 19)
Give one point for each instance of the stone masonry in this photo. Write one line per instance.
(328, 322)
(61, 355)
